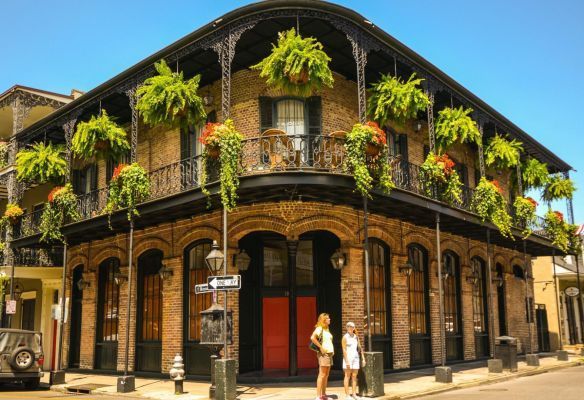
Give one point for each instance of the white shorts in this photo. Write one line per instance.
(353, 364)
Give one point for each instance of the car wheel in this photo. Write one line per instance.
(22, 358)
(32, 383)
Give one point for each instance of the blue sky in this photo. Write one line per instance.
(523, 57)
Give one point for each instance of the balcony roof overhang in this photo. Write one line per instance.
(531, 146)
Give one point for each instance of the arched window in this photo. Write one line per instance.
(380, 289)
(518, 272)
(197, 273)
(290, 116)
(479, 305)
(108, 300)
(420, 343)
(451, 293)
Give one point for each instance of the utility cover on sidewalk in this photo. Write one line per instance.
(85, 388)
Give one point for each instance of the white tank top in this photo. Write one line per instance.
(351, 346)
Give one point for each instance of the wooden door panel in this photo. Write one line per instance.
(305, 317)
(275, 331)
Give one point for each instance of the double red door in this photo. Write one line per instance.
(276, 332)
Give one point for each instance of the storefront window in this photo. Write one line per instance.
(304, 264)
(197, 274)
(275, 263)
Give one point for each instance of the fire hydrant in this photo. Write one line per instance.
(177, 374)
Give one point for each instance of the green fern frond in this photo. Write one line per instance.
(558, 188)
(535, 174)
(110, 138)
(503, 153)
(454, 125)
(41, 163)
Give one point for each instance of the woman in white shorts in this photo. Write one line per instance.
(351, 349)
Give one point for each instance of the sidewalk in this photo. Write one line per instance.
(402, 385)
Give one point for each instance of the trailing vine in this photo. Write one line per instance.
(438, 174)
(454, 125)
(503, 153)
(224, 142)
(128, 187)
(558, 188)
(361, 138)
(100, 137)
(169, 99)
(535, 174)
(488, 202)
(296, 65)
(525, 216)
(393, 99)
(559, 230)
(41, 163)
(3, 155)
(4, 279)
(60, 209)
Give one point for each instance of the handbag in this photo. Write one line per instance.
(314, 347)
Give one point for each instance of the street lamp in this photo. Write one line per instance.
(18, 289)
(82, 284)
(241, 260)
(119, 278)
(498, 281)
(473, 278)
(215, 259)
(338, 260)
(165, 272)
(406, 269)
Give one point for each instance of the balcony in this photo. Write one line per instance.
(269, 155)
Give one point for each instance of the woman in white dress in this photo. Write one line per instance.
(351, 349)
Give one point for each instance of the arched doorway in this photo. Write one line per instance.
(108, 301)
(149, 313)
(197, 361)
(419, 310)
(285, 287)
(380, 285)
(76, 314)
(480, 308)
(452, 306)
(501, 303)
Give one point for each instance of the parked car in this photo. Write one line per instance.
(21, 357)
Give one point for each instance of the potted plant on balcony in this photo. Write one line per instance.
(535, 174)
(41, 163)
(128, 187)
(488, 202)
(364, 144)
(392, 99)
(438, 172)
(60, 209)
(558, 188)
(223, 142)
(454, 125)
(296, 65)
(12, 213)
(3, 154)
(99, 138)
(525, 216)
(169, 99)
(503, 153)
(558, 229)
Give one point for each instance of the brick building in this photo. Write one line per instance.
(296, 207)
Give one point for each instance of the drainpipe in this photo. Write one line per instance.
(366, 255)
(556, 284)
(440, 292)
(528, 303)
(580, 293)
(490, 297)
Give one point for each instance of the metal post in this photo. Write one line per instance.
(126, 383)
(580, 291)
(366, 255)
(557, 299)
(57, 377)
(225, 292)
(430, 112)
(481, 151)
(490, 297)
(527, 302)
(440, 292)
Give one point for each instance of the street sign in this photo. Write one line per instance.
(225, 282)
(202, 289)
(572, 291)
(10, 306)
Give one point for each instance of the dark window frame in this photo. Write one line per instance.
(191, 320)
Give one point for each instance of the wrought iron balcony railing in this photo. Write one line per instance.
(267, 155)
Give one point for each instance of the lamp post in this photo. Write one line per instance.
(126, 383)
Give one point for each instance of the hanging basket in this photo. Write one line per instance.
(101, 145)
(299, 79)
(372, 150)
(213, 152)
(13, 220)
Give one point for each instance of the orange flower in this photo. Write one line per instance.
(532, 201)
(54, 193)
(559, 216)
(118, 170)
(497, 185)
(208, 132)
(378, 133)
(446, 163)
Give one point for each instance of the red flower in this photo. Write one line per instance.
(532, 201)
(118, 170)
(378, 133)
(208, 132)
(446, 163)
(497, 185)
(54, 192)
(559, 216)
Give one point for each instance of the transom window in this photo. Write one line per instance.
(197, 274)
(290, 116)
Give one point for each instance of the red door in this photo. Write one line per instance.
(275, 330)
(305, 317)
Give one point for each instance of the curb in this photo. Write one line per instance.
(480, 382)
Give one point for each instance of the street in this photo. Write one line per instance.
(565, 384)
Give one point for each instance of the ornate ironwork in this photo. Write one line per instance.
(481, 150)
(131, 93)
(519, 179)
(68, 129)
(569, 202)
(430, 112)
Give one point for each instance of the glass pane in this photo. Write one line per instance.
(198, 273)
(378, 292)
(290, 116)
(417, 292)
(304, 265)
(275, 263)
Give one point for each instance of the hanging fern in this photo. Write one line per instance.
(296, 65)
(503, 153)
(41, 163)
(558, 188)
(535, 174)
(455, 126)
(59, 210)
(392, 99)
(3, 155)
(100, 138)
(558, 229)
(488, 202)
(167, 99)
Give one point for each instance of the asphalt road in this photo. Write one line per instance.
(563, 384)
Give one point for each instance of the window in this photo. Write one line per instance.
(518, 272)
(85, 180)
(479, 296)
(112, 164)
(417, 290)
(378, 262)
(304, 264)
(197, 274)
(451, 293)
(275, 263)
(149, 297)
(189, 139)
(290, 116)
(108, 301)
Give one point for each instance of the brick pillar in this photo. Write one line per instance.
(122, 320)
(88, 323)
(468, 338)
(172, 312)
(353, 290)
(400, 314)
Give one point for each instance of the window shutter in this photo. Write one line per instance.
(93, 172)
(185, 144)
(403, 146)
(314, 105)
(266, 113)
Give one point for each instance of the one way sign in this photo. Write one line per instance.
(225, 282)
